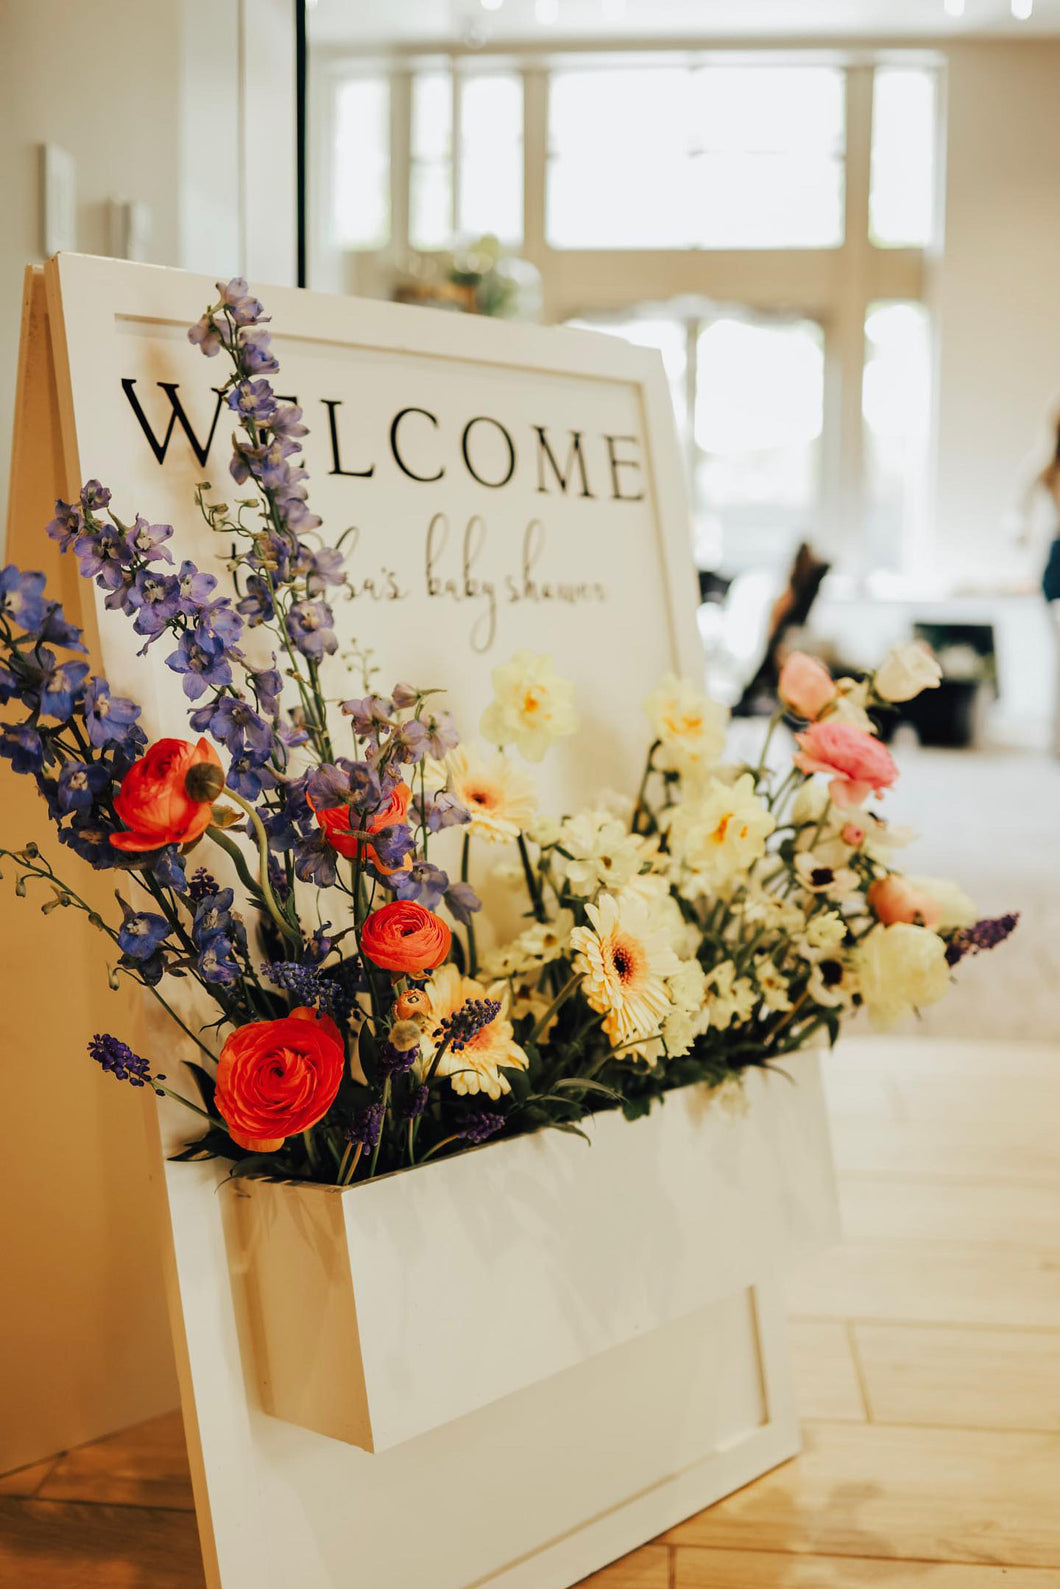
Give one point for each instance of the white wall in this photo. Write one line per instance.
(187, 105)
(996, 294)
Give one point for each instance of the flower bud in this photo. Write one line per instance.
(204, 782)
(405, 1035)
(412, 1005)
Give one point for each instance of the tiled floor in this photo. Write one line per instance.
(927, 1351)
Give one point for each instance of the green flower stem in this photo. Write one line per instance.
(382, 1128)
(472, 951)
(438, 1146)
(773, 721)
(531, 885)
(267, 895)
(561, 997)
(310, 1147)
(178, 1097)
(643, 790)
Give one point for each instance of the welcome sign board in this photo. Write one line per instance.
(493, 488)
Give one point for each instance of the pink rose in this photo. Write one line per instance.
(857, 764)
(895, 898)
(805, 685)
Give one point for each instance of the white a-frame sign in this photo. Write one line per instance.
(499, 488)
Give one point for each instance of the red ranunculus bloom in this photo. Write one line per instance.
(153, 801)
(277, 1078)
(335, 823)
(406, 937)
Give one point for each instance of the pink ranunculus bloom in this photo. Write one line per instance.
(857, 764)
(805, 685)
(895, 898)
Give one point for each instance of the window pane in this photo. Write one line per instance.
(619, 170)
(430, 176)
(491, 157)
(902, 195)
(708, 157)
(361, 170)
(896, 409)
(758, 422)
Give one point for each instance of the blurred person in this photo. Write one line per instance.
(1039, 508)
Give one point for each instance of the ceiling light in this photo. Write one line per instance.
(954, 8)
(546, 11)
(1021, 9)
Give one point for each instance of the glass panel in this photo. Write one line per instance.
(896, 409)
(902, 195)
(430, 176)
(758, 421)
(619, 168)
(361, 168)
(491, 157)
(712, 157)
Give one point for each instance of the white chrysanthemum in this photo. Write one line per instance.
(901, 968)
(479, 1066)
(624, 958)
(731, 998)
(772, 984)
(689, 726)
(720, 835)
(501, 797)
(824, 934)
(540, 944)
(599, 852)
(532, 705)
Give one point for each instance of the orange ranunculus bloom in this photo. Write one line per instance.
(407, 937)
(805, 685)
(277, 1078)
(153, 801)
(894, 898)
(336, 826)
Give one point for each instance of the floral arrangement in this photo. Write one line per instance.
(288, 859)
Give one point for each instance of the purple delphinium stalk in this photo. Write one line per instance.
(480, 1126)
(985, 934)
(457, 1030)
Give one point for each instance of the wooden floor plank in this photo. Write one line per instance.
(645, 1569)
(872, 1491)
(978, 1379)
(1018, 1150)
(913, 1209)
(744, 1569)
(826, 1380)
(54, 1545)
(931, 1282)
(143, 1466)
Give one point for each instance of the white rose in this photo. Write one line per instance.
(957, 910)
(901, 968)
(909, 669)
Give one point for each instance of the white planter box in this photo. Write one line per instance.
(385, 1310)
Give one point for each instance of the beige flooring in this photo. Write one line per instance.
(927, 1355)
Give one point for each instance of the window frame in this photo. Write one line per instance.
(832, 285)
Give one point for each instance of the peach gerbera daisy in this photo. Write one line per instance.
(624, 957)
(501, 797)
(478, 1066)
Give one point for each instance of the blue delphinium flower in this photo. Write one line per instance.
(256, 353)
(80, 785)
(253, 400)
(141, 933)
(22, 597)
(202, 660)
(110, 719)
(196, 588)
(256, 604)
(235, 724)
(22, 747)
(66, 525)
(237, 298)
(168, 869)
(218, 936)
(155, 599)
(311, 627)
(60, 687)
(462, 900)
(422, 881)
(94, 496)
(145, 541)
(55, 628)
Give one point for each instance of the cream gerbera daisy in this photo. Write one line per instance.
(477, 1067)
(501, 797)
(624, 957)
